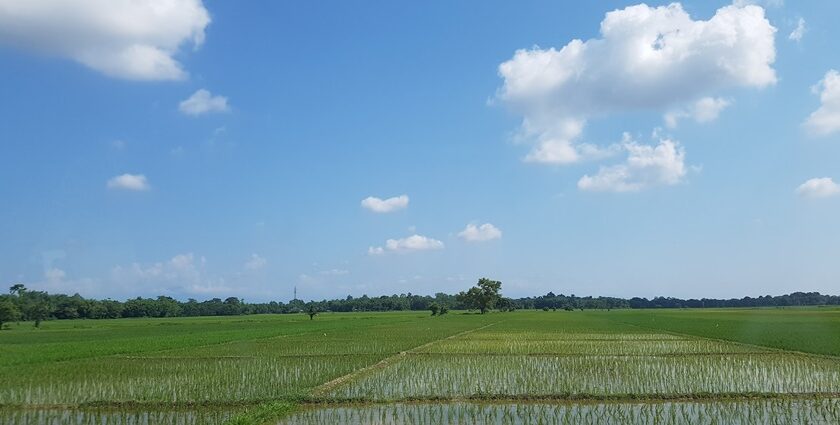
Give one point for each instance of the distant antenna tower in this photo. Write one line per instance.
(295, 294)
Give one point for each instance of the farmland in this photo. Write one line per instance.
(642, 366)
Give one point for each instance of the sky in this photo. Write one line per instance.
(201, 149)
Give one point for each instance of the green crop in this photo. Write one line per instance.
(657, 367)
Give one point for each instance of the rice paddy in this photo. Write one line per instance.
(394, 368)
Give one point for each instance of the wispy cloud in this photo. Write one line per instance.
(410, 244)
(203, 102)
(482, 233)
(135, 182)
(823, 187)
(826, 119)
(378, 205)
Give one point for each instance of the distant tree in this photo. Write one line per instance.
(17, 289)
(312, 311)
(443, 310)
(8, 313)
(481, 297)
(505, 304)
(37, 311)
(435, 308)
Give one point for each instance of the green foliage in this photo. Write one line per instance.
(17, 289)
(8, 313)
(506, 304)
(37, 311)
(434, 308)
(482, 297)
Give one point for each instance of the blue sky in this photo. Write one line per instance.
(208, 149)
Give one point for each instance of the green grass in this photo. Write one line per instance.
(663, 365)
(811, 330)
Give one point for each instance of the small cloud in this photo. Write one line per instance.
(646, 166)
(484, 232)
(705, 110)
(378, 205)
(203, 102)
(54, 275)
(826, 119)
(334, 272)
(255, 262)
(767, 3)
(136, 182)
(410, 244)
(119, 144)
(799, 31)
(823, 187)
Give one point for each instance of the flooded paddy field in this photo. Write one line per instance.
(406, 368)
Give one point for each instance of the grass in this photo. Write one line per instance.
(807, 329)
(665, 366)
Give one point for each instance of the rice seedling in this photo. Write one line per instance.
(469, 375)
(745, 412)
(588, 346)
(548, 368)
(113, 417)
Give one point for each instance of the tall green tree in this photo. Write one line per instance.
(8, 313)
(17, 289)
(37, 311)
(483, 296)
(312, 311)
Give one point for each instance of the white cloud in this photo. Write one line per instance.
(484, 232)
(378, 205)
(646, 166)
(54, 275)
(704, 110)
(648, 58)
(334, 272)
(182, 274)
(409, 244)
(129, 39)
(768, 3)
(826, 119)
(255, 262)
(799, 31)
(823, 187)
(135, 182)
(203, 102)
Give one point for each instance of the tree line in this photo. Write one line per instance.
(37, 306)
